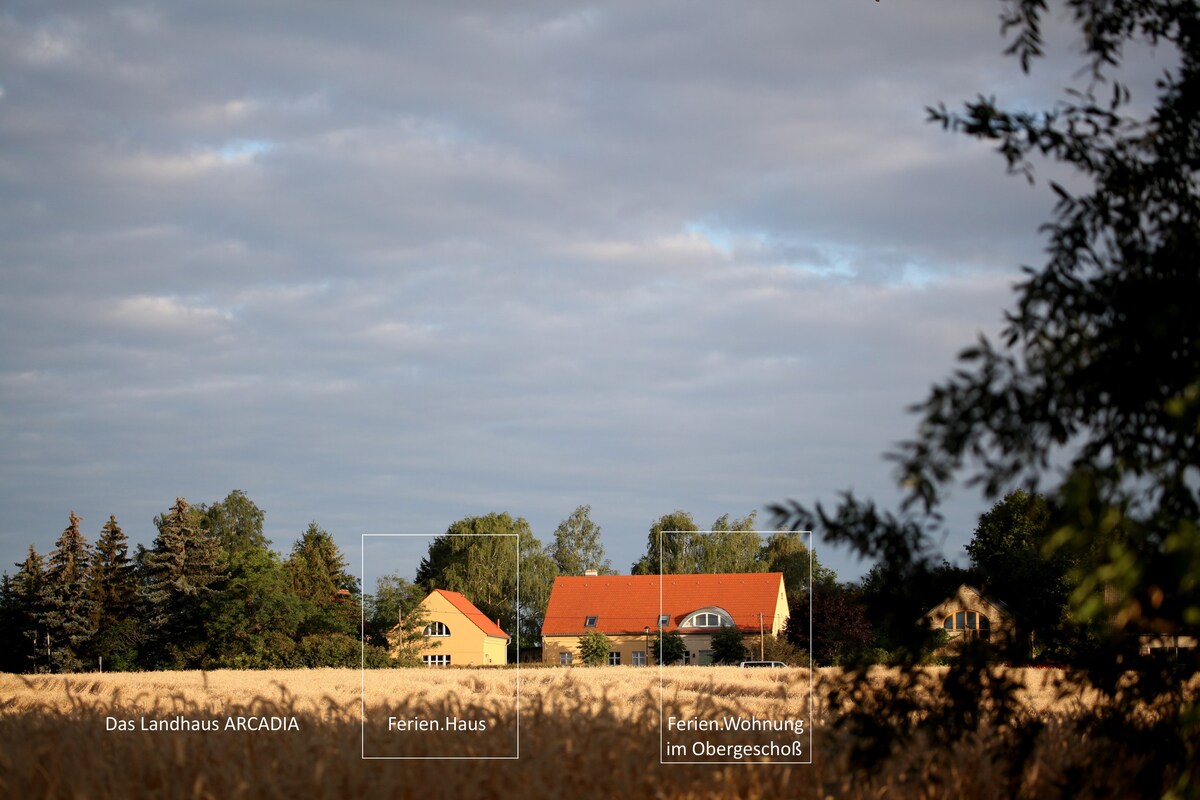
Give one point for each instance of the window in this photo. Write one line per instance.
(707, 618)
(589, 622)
(968, 624)
(442, 660)
(437, 629)
(614, 659)
(664, 620)
(639, 658)
(564, 658)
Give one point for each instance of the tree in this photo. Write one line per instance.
(254, 622)
(236, 522)
(394, 601)
(594, 647)
(113, 586)
(577, 545)
(397, 620)
(28, 601)
(1007, 554)
(672, 547)
(183, 571)
(785, 552)
(67, 610)
(728, 646)
(317, 571)
(840, 629)
(668, 648)
(1101, 357)
(729, 547)
(1097, 368)
(478, 557)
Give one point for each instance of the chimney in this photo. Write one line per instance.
(590, 573)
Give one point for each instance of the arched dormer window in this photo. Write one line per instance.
(969, 624)
(711, 617)
(437, 629)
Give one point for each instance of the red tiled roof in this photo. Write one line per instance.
(468, 610)
(630, 603)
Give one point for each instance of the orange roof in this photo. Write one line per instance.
(630, 603)
(468, 610)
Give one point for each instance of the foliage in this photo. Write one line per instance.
(25, 600)
(318, 572)
(728, 646)
(394, 600)
(594, 648)
(1007, 554)
(67, 606)
(329, 650)
(668, 648)
(478, 556)
(785, 552)
(397, 621)
(1098, 369)
(236, 522)
(675, 546)
(840, 628)
(778, 648)
(577, 546)
(183, 571)
(254, 621)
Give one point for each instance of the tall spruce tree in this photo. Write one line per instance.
(68, 605)
(183, 570)
(28, 592)
(317, 571)
(113, 585)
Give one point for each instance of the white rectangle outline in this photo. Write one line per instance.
(811, 708)
(362, 741)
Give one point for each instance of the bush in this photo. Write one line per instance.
(593, 648)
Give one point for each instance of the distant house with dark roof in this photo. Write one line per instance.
(459, 633)
(630, 610)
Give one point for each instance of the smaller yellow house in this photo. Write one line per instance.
(458, 633)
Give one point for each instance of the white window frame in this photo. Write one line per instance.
(614, 658)
(639, 658)
(437, 660)
(723, 618)
(565, 658)
(437, 629)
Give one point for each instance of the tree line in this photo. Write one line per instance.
(210, 592)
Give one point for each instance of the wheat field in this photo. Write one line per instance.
(584, 732)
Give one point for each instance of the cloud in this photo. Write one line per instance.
(386, 267)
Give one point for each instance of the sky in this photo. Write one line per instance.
(384, 265)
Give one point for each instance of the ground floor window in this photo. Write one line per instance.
(442, 660)
(564, 658)
(639, 658)
(614, 659)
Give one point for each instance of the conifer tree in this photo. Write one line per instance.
(183, 570)
(68, 605)
(114, 587)
(28, 588)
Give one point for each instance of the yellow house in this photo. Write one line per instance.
(458, 633)
(631, 609)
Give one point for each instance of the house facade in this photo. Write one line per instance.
(631, 609)
(458, 633)
(968, 615)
